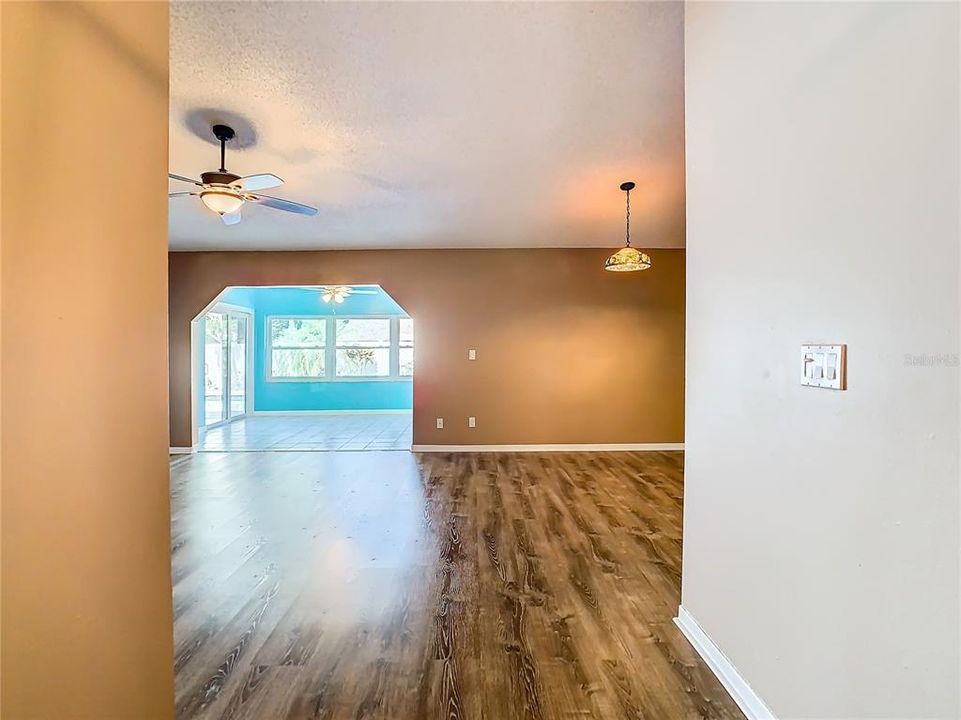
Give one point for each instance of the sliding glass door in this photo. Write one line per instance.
(215, 367)
(226, 348)
(237, 364)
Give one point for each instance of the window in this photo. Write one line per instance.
(334, 348)
(363, 347)
(405, 364)
(298, 348)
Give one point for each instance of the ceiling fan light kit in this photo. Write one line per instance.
(222, 201)
(628, 259)
(337, 293)
(225, 193)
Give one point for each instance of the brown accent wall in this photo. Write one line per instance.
(566, 352)
(86, 604)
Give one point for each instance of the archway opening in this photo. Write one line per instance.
(302, 368)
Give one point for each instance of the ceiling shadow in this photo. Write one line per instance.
(199, 121)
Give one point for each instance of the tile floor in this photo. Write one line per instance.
(381, 431)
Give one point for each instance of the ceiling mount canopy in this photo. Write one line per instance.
(627, 259)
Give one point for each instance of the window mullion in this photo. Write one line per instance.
(330, 349)
(394, 361)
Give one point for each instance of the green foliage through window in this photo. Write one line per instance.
(359, 347)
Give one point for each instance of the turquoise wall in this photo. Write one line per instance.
(243, 296)
(280, 396)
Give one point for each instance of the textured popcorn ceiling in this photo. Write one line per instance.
(437, 124)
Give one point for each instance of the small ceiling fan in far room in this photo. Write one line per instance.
(339, 293)
(225, 193)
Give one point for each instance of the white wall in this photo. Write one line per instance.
(821, 536)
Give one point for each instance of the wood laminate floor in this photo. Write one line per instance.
(412, 587)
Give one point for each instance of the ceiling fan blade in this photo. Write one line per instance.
(180, 194)
(184, 179)
(259, 182)
(231, 218)
(347, 289)
(279, 204)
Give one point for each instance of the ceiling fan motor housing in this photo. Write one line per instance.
(219, 178)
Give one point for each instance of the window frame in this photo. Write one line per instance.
(269, 349)
(391, 343)
(330, 350)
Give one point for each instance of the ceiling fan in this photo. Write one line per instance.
(339, 293)
(225, 193)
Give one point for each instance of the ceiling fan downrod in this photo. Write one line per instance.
(223, 133)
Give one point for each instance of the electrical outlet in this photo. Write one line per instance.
(440, 423)
(472, 354)
(471, 421)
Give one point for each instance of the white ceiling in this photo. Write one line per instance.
(438, 124)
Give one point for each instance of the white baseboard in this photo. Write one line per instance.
(330, 412)
(605, 447)
(742, 693)
(181, 450)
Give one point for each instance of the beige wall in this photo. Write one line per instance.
(86, 606)
(821, 529)
(567, 353)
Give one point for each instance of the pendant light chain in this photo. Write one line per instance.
(628, 218)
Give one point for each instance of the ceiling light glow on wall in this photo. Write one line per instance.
(628, 259)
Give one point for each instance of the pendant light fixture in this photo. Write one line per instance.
(628, 259)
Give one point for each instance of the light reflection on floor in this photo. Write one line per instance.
(380, 431)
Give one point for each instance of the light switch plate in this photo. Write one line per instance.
(471, 421)
(824, 366)
(440, 423)
(472, 354)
